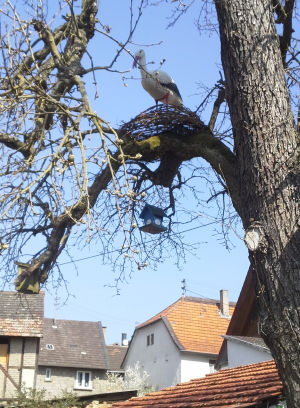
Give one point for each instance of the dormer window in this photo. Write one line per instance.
(49, 346)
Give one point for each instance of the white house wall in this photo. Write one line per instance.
(160, 360)
(243, 354)
(194, 365)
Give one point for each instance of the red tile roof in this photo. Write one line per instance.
(196, 322)
(245, 386)
(21, 315)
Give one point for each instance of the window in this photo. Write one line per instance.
(150, 339)
(48, 374)
(83, 380)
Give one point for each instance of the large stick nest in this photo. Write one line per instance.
(178, 121)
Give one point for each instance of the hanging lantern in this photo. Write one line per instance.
(153, 219)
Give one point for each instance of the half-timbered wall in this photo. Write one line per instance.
(18, 366)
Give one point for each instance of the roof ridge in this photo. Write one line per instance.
(71, 320)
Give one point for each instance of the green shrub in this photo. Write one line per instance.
(30, 398)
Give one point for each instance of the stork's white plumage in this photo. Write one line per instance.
(157, 83)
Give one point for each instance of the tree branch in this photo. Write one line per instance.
(218, 102)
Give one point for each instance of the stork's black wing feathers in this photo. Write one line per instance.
(172, 86)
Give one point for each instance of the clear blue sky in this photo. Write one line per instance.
(190, 59)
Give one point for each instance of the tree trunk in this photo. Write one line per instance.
(267, 172)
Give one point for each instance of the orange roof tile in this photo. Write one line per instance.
(245, 386)
(196, 322)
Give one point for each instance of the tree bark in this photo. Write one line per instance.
(266, 149)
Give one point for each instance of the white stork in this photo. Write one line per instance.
(157, 83)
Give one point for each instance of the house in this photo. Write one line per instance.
(255, 385)
(21, 327)
(53, 355)
(72, 357)
(181, 342)
(252, 385)
(242, 343)
(243, 350)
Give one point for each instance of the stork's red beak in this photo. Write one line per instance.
(136, 58)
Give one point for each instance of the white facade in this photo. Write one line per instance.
(195, 365)
(161, 358)
(243, 353)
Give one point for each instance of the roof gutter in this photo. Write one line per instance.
(212, 355)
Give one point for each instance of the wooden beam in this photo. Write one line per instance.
(7, 375)
(22, 361)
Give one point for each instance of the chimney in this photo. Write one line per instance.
(104, 331)
(224, 303)
(124, 341)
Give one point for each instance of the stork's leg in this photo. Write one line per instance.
(156, 115)
(166, 98)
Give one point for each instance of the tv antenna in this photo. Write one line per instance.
(183, 287)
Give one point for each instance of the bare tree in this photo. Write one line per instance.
(65, 168)
(55, 179)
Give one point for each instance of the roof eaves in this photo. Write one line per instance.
(80, 366)
(200, 353)
(249, 343)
